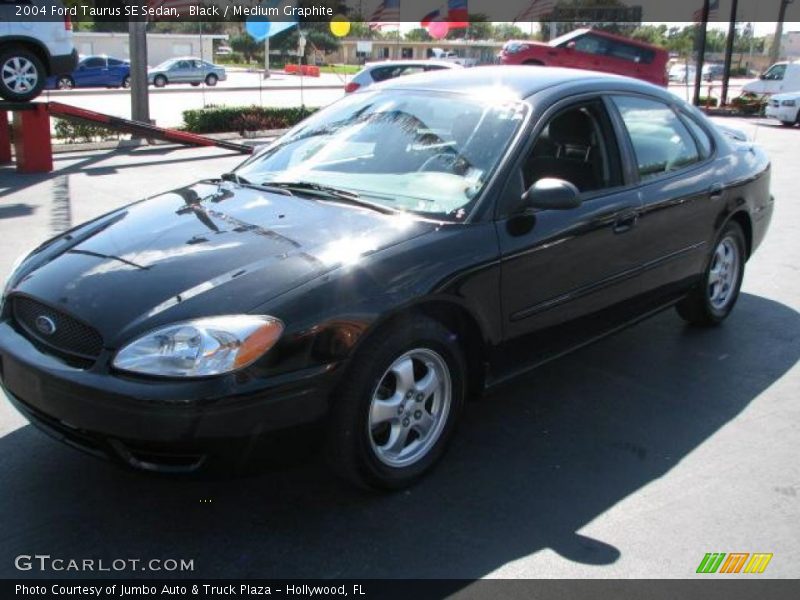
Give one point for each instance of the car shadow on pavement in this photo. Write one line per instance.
(532, 464)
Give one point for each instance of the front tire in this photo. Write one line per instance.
(713, 300)
(22, 75)
(211, 80)
(533, 63)
(398, 405)
(160, 81)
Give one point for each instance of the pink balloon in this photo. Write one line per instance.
(438, 29)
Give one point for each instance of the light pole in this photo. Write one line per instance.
(140, 103)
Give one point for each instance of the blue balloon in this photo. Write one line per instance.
(260, 28)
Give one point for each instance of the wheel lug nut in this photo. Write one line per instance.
(418, 414)
(406, 422)
(400, 410)
(420, 397)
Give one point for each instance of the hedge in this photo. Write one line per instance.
(218, 119)
(72, 132)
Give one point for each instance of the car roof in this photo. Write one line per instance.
(516, 81)
(400, 63)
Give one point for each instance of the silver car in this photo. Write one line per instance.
(186, 70)
(389, 69)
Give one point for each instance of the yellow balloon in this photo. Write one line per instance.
(340, 27)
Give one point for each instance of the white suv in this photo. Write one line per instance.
(35, 42)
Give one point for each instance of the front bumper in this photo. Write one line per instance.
(168, 426)
(787, 114)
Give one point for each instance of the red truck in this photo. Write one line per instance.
(594, 50)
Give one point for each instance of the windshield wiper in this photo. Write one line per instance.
(238, 179)
(338, 194)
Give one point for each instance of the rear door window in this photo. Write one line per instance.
(661, 142)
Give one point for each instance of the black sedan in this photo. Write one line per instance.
(390, 257)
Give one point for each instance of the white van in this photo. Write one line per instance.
(33, 46)
(779, 78)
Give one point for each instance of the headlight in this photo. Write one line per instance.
(10, 277)
(788, 103)
(202, 347)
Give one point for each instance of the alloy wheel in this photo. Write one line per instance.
(19, 74)
(409, 408)
(724, 273)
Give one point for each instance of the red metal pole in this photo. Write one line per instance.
(32, 142)
(5, 138)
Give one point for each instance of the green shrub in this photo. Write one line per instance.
(749, 103)
(218, 119)
(73, 132)
(708, 101)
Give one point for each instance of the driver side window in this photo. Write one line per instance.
(577, 145)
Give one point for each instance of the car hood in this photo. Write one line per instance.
(786, 96)
(210, 248)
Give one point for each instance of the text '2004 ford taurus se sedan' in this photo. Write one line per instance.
(404, 248)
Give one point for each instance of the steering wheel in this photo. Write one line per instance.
(445, 159)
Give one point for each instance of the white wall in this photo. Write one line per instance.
(160, 47)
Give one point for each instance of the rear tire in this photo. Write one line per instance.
(22, 74)
(211, 80)
(65, 82)
(398, 405)
(126, 81)
(533, 63)
(160, 81)
(714, 298)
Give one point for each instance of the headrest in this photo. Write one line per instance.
(574, 128)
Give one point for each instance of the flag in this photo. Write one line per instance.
(431, 16)
(387, 13)
(458, 14)
(536, 10)
(713, 7)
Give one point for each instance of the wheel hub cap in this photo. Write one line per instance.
(409, 408)
(724, 273)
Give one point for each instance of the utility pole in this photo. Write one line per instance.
(266, 57)
(140, 103)
(701, 53)
(726, 74)
(775, 49)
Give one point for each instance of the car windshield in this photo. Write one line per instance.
(416, 151)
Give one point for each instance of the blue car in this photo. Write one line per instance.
(94, 71)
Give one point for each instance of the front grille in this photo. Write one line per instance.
(69, 336)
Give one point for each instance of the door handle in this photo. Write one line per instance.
(715, 191)
(625, 222)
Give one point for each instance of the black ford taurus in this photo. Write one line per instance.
(393, 255)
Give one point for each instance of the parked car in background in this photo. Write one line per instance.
(389, 69)
(785, 108)
(94, 71)
(595, 50)
(393, 255)
(187, 69)
(452, 57)
(31, 51)
(779, 78)
(683, 73)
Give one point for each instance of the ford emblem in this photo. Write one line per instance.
(45, 325)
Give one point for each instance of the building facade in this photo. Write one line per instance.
(160, 46)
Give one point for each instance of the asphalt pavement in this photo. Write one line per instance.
(630, 458)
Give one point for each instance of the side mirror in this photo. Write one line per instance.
(570, 46)
(553, 194)
(762, 76)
